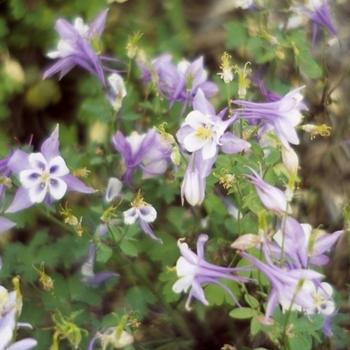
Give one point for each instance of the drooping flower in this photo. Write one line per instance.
(76, 47)
(320, 15)
(194, 272)
(10, 310)
(141, 213)
(283, 115)
(116, 91)
(44, 175)
(179, 82)
(149, 152)
(272, 197)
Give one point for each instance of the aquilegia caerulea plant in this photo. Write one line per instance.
(172, 151)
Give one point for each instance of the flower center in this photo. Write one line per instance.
(45, 177)
(204, 132)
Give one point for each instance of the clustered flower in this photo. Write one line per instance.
(288, 258)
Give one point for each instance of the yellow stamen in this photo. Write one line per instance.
(204, 133)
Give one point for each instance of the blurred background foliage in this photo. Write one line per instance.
(29, 107)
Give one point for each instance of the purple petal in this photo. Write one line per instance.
(98, 24)
(74, 184)
(18, 161)
(50, 147)
(232, 144)
(92, 343)
(100, 277)
(20, 201)
(63, 65)
(325, 242)
(5, 224)
(146, 228)
(200, 103)
(202, 239)
(65, 29)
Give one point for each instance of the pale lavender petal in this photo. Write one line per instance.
(92, 343)
(97, 26)
(65, 29)
(231, 144)
(74, 184)
(100, 277)
(18, 162)
(20, 201)
(24, 344)
(200, 103)
(6, 224)
(50, 147)
(146, 228)
(325, 242)
(202, 239)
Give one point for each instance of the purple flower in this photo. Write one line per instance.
(5, 172)
(75, 47)
(44, 176)
(302, 245)
(295, 289)
(194, 272)
(205, 131)
(272, 197)
(143, 214)
(149, 152)
(320, 15)
(283, 115)
(179, 82)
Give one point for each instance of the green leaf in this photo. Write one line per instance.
(300, 342)
(128, 247)
(251, 301)
(103, 253)
(242, 313)
(236, 34)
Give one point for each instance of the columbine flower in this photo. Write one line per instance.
(179, 82)
(290, 288)
(205, 131)
(141, 213)
(117, 91)
(302, 245)
(149, 152)
(282, 115)
(320, 15)
(43, 175)
(194, 272)
(272, 197)
(10, 309)
(76, 47)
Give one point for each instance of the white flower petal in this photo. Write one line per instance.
(29, 178)
(130, 216)
(113, 190)
(209, 149)
(182, 284)
(38, 192)
(57, 167)
(37, 161)
(326, 289)
(196, 119)
(327, 308)
(194, 143)
(147, 213)
(185, 268)
(57, 188)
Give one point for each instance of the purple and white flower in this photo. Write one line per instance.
(44, 176)
(206, 132)
(294, 289)
(272, 197)
(320, 15)
(75, 47)
(113, 190)
(283, 115)
(179, 82)
(304, 246)
(10, 309)
(149, 152)
(194, 272)
(141, 213)
(116, 90)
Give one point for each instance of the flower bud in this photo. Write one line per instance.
(290, 159)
